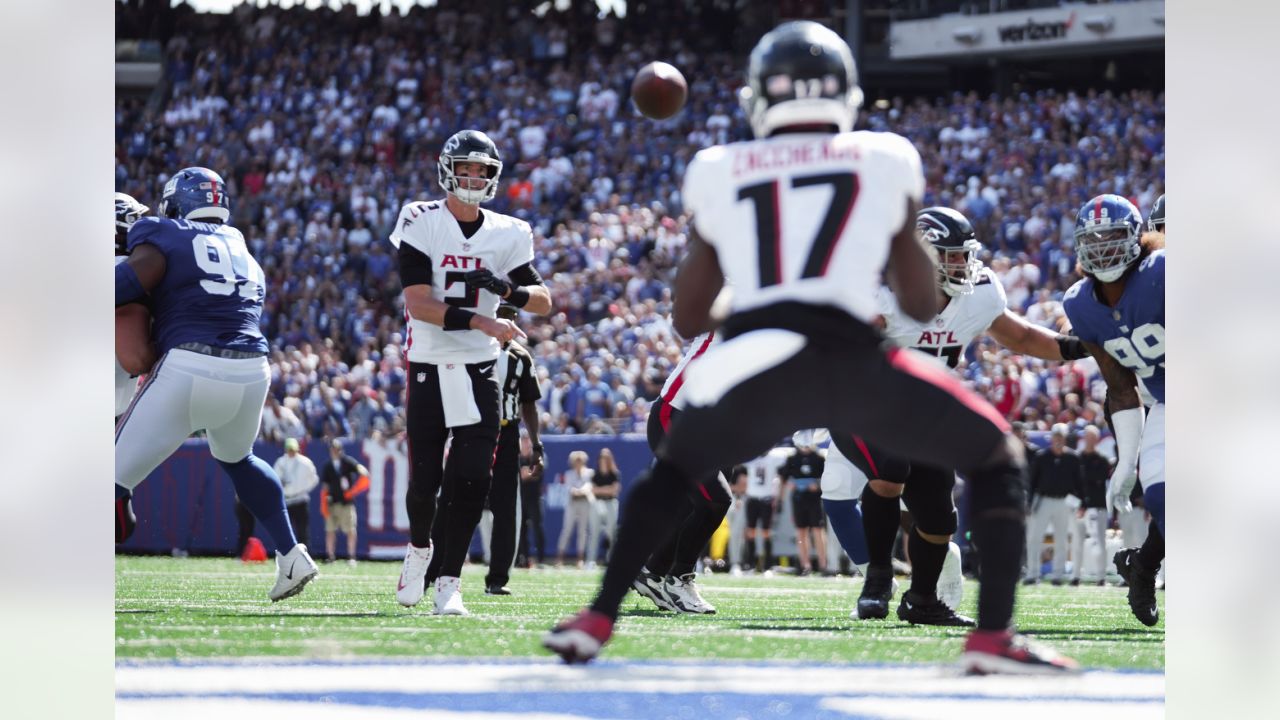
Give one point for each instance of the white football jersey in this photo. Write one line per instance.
(762, 473)
(805, 217)
(950, 331)
(126, 385)
(502, 244)
(671, 394)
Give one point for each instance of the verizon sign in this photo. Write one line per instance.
(1032, 31)
(1072, 28)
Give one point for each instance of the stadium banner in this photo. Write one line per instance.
(1069, 28)
(187, 505)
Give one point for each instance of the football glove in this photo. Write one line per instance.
(484, 279)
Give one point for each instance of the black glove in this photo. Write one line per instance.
(486, 280)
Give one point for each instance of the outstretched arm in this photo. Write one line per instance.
(1021, 336)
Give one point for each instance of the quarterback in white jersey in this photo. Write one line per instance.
(802, 222)
(457, 262)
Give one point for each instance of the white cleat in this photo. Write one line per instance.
(413, 576)
(293, 571)
(951, 581)
(449, 597)
(651, 585)
(683, 593)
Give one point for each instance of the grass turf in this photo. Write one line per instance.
(199, 608)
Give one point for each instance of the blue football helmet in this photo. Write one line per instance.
(196, 193)
(1108, 237)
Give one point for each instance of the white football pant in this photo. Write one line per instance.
(186, 392)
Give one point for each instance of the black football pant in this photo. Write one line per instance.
(711, 501)
(463, 481)
(531, 521)
(300, 519)
(844, 381)
(504, 493)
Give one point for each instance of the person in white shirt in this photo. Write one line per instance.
(298, 477)
(577, 514)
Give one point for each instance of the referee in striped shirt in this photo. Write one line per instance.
(518, 395)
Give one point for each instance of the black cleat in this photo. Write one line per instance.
(496, 590)
(126, 521)
(1142, 586)
(877, 591)
(920, 610)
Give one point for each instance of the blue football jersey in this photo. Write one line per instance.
(212, 289)
(1133, 331)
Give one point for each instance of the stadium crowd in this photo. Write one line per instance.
(325, 123)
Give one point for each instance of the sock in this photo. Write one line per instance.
(258, 488)
(880, 519)
(1151, 554)
(926, 564)
(1153, 499)
(1001, 541)
(846, 521)
(749, 553)
(653, 507)
(768, 552)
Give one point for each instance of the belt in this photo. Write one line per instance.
(212, 351)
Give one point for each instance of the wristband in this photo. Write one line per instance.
(455, 318)
(518, 297)
(1071, 348)
(537, 447)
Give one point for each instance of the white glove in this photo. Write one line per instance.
(1127, 425)
(1119, 489)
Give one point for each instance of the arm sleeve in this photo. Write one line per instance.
(525, 275)
(529, 390)
(415, 266)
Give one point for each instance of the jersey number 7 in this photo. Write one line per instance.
(764, 196)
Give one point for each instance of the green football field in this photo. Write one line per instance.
(198, 608)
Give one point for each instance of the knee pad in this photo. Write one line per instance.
(931, 506)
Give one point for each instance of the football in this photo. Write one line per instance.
(659, 90)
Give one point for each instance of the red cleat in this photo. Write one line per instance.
(579, 639)
(1005, 652)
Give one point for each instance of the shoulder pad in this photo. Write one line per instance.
(146, 231)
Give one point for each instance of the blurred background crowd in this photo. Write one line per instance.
(324, 123)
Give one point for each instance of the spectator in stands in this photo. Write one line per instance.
(606, 486)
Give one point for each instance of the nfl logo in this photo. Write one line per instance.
(449, 366)
(466, 247)
(422, 377)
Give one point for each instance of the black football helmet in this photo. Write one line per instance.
(128, 210)
(470, 146)
(801, 73)
(952, 236)
(1155, 221)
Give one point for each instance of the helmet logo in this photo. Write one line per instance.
(452, 144)
(932, 229)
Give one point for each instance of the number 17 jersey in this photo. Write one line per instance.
(804, 217)
(212, 289)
